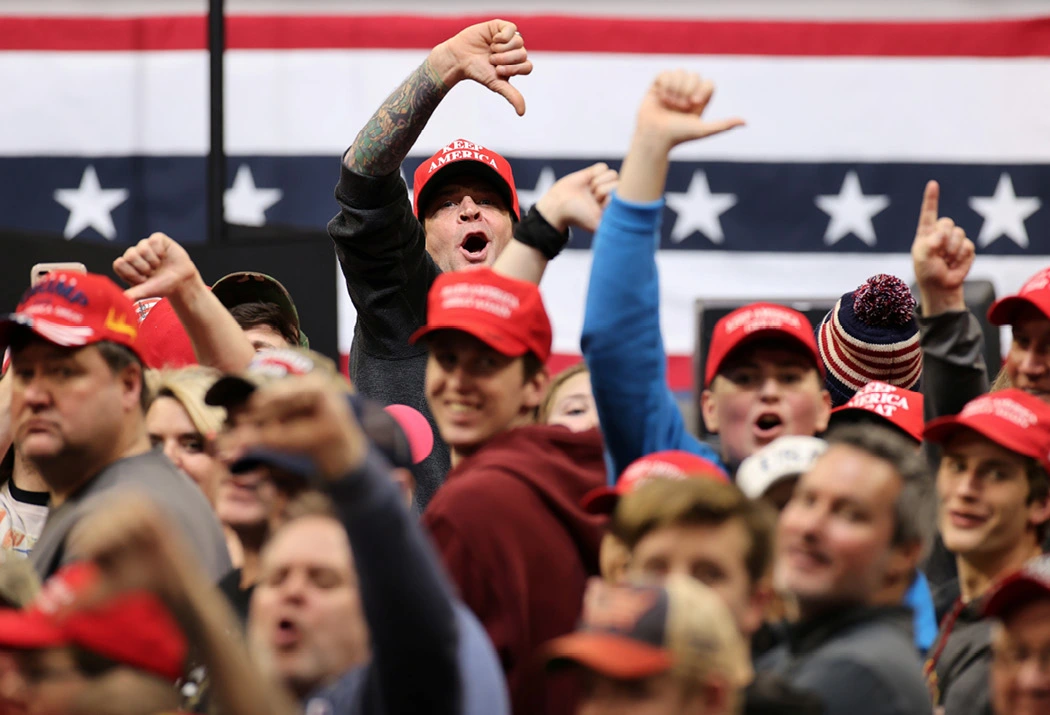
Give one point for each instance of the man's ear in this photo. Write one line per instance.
(1039, 512)
(824, 412)
(757, 604)
(709, 410)
(535, 389)
(904, 560)
(132, 382)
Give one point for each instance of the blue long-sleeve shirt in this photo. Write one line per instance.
(622, 344)
(625, 353)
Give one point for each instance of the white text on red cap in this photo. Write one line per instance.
(460, 150)
(486, 298)
(881, 398)
(761, 318)
(1003, 408)
(1037, 282)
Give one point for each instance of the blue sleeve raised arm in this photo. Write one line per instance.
(622, 343)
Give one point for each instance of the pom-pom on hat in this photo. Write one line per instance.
(871, 334)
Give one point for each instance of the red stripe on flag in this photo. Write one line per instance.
(983, 38)
(679, 368)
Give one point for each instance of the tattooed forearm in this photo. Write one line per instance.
(385, 140)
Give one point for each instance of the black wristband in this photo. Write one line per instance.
(535, 231)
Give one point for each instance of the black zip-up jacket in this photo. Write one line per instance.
(858, 660)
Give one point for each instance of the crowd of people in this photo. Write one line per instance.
(199, 514)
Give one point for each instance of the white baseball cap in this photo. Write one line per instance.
(782, 458)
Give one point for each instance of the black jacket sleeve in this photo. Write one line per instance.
(406, 599)
(953, 371)
(382, 251)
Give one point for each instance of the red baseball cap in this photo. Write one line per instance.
(1036, 293)
(133, 628)
(1029, 583)
(163, 339)
(669, 464)
(901, 408)
(504, 313)
(75, 309)
(1013, 419)
(759, 320)
(457, 159)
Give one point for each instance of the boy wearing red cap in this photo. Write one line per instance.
(507, 522)
(763, 376)
(77, 413)
(993, 508)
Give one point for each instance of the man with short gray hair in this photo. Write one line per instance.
(853, 527)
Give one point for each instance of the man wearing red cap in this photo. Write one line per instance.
(77, 413)
(68, 655)
(464, 214)
(993, 511)
(763, 376)
(507, 522)
(1027, 363)
(1020, 608)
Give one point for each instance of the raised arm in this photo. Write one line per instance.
(621, 339)
(158, 267)
(576, 199)
(954, 370)
(407, 601)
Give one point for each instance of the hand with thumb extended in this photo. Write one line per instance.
(156, 267)
(489, 53)
(671, 110)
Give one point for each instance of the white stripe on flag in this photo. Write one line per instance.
(579, 105)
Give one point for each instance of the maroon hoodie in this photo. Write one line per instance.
(514, 539)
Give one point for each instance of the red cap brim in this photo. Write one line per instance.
(846, 409)
(500, 342)
(1002, 311)
(810, 350)
(1014, 591)
(941, 429)
(29, 630)
(602, 500)
(610, 655)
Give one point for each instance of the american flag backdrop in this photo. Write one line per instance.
(104, 129)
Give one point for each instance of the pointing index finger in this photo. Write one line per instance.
(930, 199)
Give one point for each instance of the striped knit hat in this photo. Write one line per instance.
(871, 334)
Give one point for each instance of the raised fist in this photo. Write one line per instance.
(579, 198)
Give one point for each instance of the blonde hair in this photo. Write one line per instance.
(1002, 381)
(547, 406)
(188, 386)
